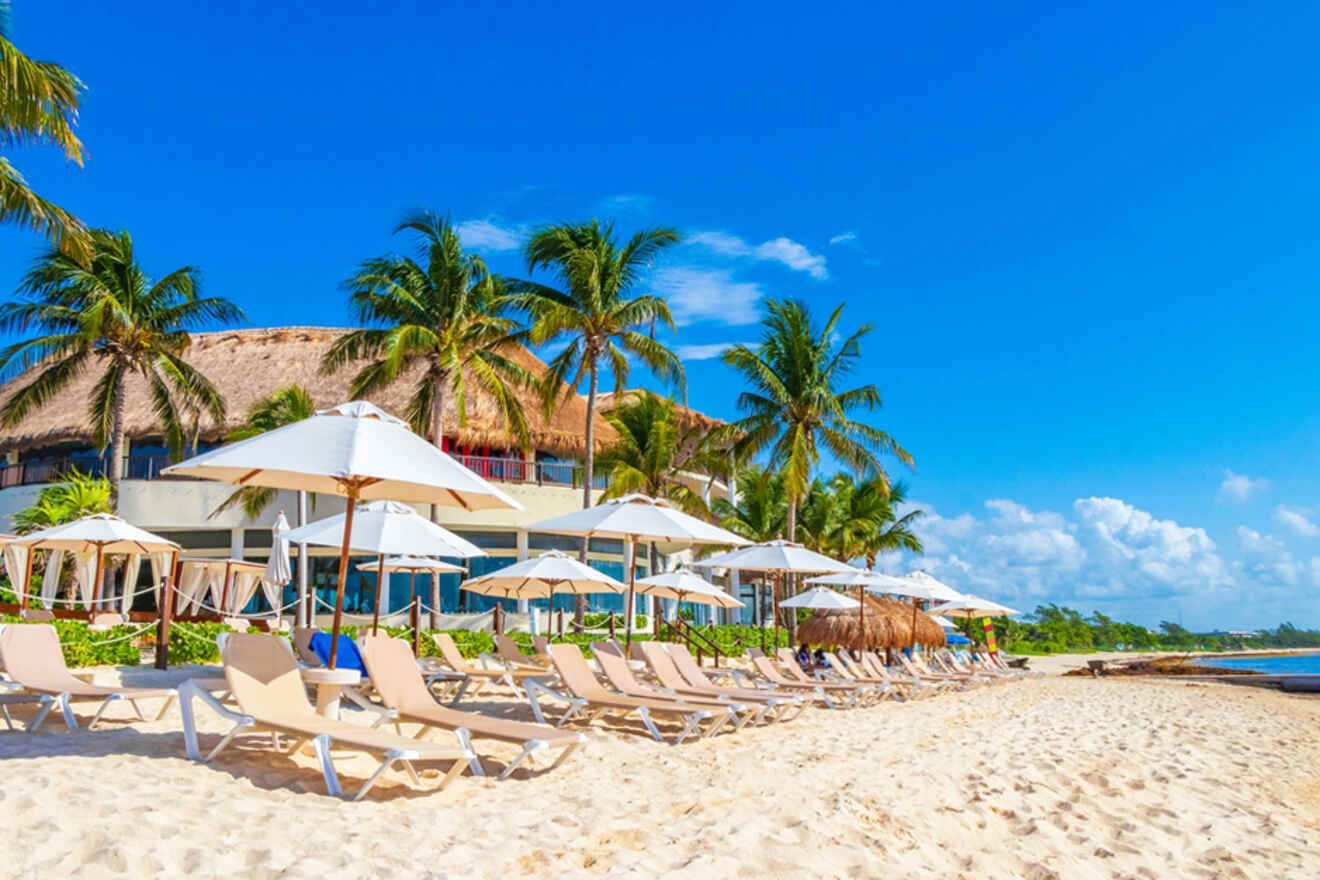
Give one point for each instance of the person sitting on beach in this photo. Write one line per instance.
(819, 658)
(804, 657)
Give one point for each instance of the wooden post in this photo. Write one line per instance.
(96, 584)
(27, 579)
(912, 649)
(224, 591)
(499, 618)
(612, 625)
(561, 623)
(166, 612)
(416, 604)
(380, 590)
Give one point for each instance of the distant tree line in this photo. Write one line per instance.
(1052, 629)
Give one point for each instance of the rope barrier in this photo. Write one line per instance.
(115, 598)
(257, 615)
(131, 635)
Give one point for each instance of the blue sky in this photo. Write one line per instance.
(1086, 238)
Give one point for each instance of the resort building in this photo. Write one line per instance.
(249, 364)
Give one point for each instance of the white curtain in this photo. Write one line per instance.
(241, 590)
(215, 585)
(274, 594)
(130, 583)
(84, 572)
(50, 581)
(15, 557)
(191, 585)
(160, 569)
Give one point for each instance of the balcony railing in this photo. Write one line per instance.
(149, 467)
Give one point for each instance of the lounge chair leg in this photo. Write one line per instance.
(101, 710)
(465, 740)
(164, 707)
(46, 705)
(137, 709)
(719, 722)
(462, 689)
(645, 715)
(9, 722)
(69, 720)
(525, 754)
(321, 744)
(423, 731)
(693, 724)
(455, 770)
(371, 780)
(563, 756)
(275, 740)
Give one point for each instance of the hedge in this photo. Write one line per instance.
(82, 647)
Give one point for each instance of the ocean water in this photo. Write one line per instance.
(1291, 664)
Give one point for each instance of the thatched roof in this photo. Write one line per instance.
(887, 622)
(248, 364)
(686, 416)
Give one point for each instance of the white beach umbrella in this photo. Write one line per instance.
(779, 558)
(943, 621)
(684, 586)
(354, 450)
(933, 589)
(278, 570)
(97, 534)
(823, 598)
(541, 577)
(638, 518)
(974, 606)
(862, 579)
(384, 528)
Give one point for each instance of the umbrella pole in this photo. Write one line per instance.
(380, 589)
(861, 615)
(631, 561)
(779, 583)
(343, 577)
(416, 613)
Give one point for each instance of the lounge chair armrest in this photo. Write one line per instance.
(490, 661)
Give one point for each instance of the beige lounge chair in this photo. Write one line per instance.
(265, 683)
(587, 698)
(964, 681)
(820, 689)
(8, 698)
(788, 663)
(32, 657)
(508, 652)
(478, 675)
(400, 686)
(915, 687)
(620, 677)
(843, 669)
(666, 672)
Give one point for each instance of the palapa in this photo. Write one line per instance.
(888, 625)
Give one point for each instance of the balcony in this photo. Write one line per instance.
(148, 467)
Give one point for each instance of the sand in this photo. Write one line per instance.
(1054, 777)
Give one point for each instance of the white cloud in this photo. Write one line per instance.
(1267, 562)
(697, 294)
(487, 235)
(1104, 550)
(1296, 519)
(849, 237)
(1240, 487)
(780, 250)
(702, 352)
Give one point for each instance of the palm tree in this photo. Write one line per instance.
(38, 105)
(848, 519)
(760, 511)
(795, 406)
(652, 452)
(277, 409)
(597, 314)
(441, 313)
(76, 495)
(111, 316)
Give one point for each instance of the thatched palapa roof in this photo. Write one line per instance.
(248, 364)
(686, 416)
(888, 624)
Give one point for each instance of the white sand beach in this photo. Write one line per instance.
(1055, 777)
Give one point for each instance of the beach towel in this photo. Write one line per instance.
(349, 656)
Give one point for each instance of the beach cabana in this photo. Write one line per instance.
(96, 536)
(354, 450)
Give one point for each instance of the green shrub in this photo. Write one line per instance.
(83, 648)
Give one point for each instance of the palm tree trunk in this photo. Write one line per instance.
(117, 442)
(438, 438)
(580, 601)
